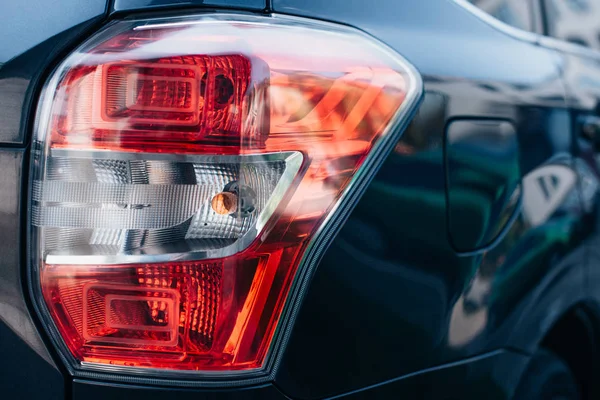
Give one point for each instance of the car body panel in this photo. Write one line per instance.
(582, 76)
(393, 309)
(482, 180)
(392, 296)
(24, 354)
(91, 390)
(33, 35)
(489, 376)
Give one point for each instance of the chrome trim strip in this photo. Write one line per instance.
(496, 23)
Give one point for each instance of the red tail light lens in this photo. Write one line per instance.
(182, 168)
(168, 104)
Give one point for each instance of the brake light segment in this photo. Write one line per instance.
(181, 169)
(172, 104)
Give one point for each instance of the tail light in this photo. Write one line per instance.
(184, 168)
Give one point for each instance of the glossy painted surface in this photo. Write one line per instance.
(582, 76)
(23, 353)
(33, 34)
(393, 311)
(90, 390)
(482, 180)
(489, 376)
(391, 297)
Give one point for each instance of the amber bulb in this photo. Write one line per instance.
(224, 203)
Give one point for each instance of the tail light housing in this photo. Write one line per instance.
(187, 173)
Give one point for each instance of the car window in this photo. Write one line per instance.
(576, 21)
(512, 12)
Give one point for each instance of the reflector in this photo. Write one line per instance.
(182, 169)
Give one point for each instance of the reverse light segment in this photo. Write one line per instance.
(183, 166)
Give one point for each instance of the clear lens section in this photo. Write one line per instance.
(128, 209)
(183, 167)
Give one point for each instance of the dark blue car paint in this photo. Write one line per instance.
(398, 304)
(83, 389)
(393, 310)
(480, 205)
(27, 369)
(34, 33)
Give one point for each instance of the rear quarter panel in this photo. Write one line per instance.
(392, 297)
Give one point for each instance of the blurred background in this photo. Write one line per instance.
(576, 21)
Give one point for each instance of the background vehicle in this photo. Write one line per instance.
(457, 259)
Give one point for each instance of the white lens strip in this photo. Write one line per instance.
(163, 212)
(110, 218)
(126, 194)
